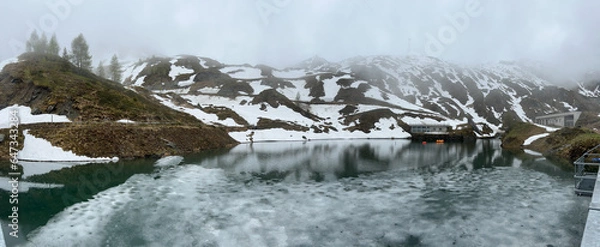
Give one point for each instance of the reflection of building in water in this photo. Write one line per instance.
(566, 119)
(429, 128)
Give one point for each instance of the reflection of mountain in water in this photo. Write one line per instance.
(320, 161)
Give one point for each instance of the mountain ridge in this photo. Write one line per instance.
(427, 87)
(313, 94)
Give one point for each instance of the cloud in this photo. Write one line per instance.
(283, 32)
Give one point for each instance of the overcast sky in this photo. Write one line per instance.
(284, 32)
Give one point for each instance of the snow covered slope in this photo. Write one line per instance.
(373, 97)
(25, 117)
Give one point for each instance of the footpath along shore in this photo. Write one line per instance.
(591, 234)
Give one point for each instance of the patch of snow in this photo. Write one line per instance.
(257, 86)
(533, 138)
(209, 90)
(178, 70)
(177, 91)
(297, 93)
(8, 61)
(6, 185)
(428, 121)
(133, 71)
(197, 113)
(547, 128)
(186, 83)
(38, 149)
(251, 113)
(125, 121)
(25, 117)
(288, 135)
(531, 152)
(168, 161)
(331, 88)
(518, 108)
(139, 81)
(289, 74)
(569, 106)
(242, 72)
(386, 124)
(393, 99)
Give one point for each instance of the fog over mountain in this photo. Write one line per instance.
(280, 33)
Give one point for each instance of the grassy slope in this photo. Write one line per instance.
(566, 143)
(132, 141)
(79, 94)
(51, 84)
(517, 133)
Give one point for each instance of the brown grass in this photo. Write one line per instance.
(131, 140)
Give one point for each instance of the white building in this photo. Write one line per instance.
(430, 129)
(567, 119)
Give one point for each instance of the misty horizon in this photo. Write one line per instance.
(282, 33)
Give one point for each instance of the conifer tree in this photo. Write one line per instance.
(80, 56)
(100, 70)
(53, 47)
(42, 45)
(115, 69)
(65, 54)
(33, 41)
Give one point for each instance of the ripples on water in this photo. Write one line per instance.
(357, 193)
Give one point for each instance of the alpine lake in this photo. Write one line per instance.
(315, 193)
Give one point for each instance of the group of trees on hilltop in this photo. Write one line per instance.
(112, 71)
(79, 55)
(41, 44)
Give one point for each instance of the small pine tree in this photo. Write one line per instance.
(115, 69)
(42, 46)
(80, 53)
(33, 41)
(65, 54)
(100, 70)
(53, 47)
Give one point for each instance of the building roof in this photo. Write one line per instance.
(558, 114)
(430, 125)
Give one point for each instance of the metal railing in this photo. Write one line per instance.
(586, 171)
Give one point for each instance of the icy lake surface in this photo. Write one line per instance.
(333, 193)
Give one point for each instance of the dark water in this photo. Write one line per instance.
(330, 193)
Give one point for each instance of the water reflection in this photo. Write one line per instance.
(327, 161)
(335, 193)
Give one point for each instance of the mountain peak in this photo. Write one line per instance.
(315, 62)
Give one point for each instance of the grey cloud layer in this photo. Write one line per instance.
(283, 32)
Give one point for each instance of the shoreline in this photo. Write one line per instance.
(171, 144)
(107, 140)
